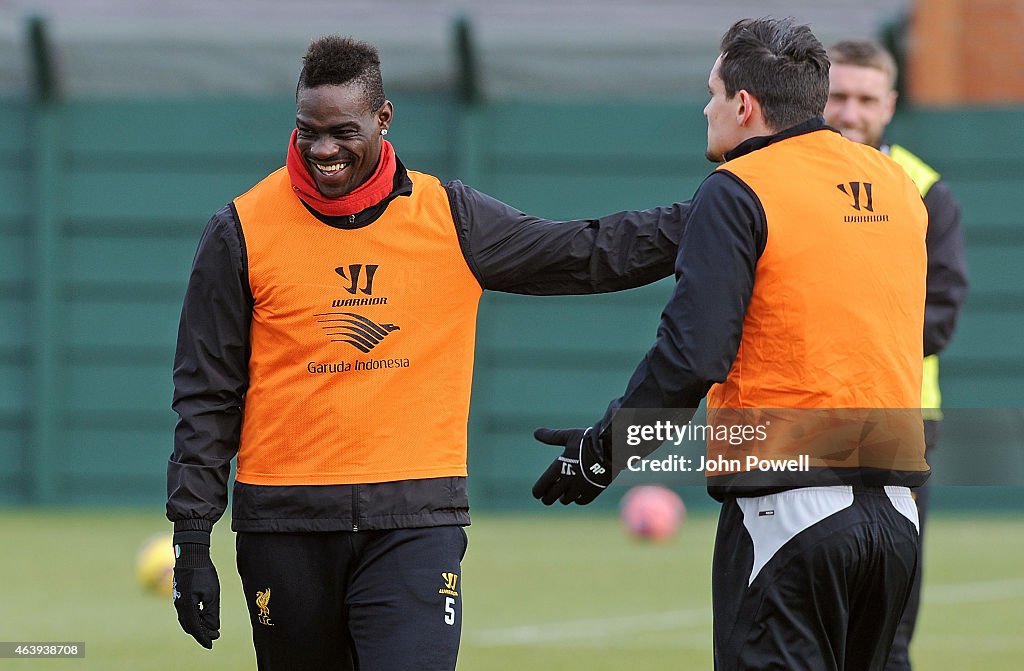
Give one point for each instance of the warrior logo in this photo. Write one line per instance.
(854, 192)
(353, 276)
(451, 582)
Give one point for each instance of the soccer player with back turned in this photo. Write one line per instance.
(800, 290)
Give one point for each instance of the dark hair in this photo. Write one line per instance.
(335, 60)
(864, 54)
(780, 63)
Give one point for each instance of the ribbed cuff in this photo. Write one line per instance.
(192, 530)
(192, 538)
(191, 555)
(193, 524)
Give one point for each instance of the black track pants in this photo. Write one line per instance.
(368, 600)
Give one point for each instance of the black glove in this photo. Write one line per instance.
(197, 589)
(579, 475)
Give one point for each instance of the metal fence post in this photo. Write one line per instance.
(45, 269)
(469, 145)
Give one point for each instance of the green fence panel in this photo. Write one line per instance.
(15, 304)
(139, 179)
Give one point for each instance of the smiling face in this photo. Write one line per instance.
(861, 102)
(339, 136)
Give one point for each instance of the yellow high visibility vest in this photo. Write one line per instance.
(924, 176)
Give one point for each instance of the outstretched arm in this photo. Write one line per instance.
(514, 252)
(700, 329)
(697, 341)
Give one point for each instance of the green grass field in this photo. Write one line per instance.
(562, 589)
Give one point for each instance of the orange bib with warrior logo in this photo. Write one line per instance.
(837, 311)
(362, 341)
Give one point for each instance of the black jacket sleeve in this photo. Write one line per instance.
(517, 253)
(947, 268)
(211, 373)
(700, 329)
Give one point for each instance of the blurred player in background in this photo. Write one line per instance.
(811, 571)
(326, 339)
(861, 103)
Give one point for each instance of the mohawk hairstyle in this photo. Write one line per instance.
(335, 60)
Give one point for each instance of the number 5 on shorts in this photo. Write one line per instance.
(449, 610)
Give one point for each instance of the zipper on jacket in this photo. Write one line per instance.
(355, 507)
